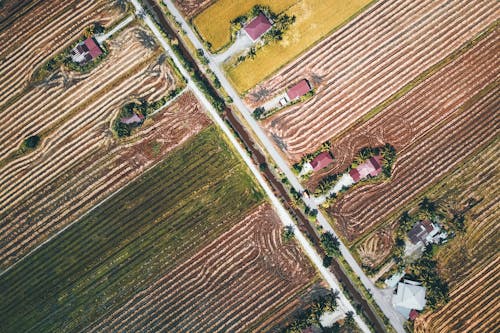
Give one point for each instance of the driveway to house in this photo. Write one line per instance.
(394, 317)
(102, 37)
(241, 44)
(344, 303)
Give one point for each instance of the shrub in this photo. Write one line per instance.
(31, 142)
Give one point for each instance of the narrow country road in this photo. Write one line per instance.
(102, 37)
(344, 303)
(383, 302)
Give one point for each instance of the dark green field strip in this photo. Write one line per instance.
(117, 250)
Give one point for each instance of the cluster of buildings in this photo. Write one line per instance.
(85, 51)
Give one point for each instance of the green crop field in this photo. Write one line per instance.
(118, 249)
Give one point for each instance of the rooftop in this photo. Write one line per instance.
(258, 26)
(372, 167)
(409, 296)
(298, 90)
(321, 161)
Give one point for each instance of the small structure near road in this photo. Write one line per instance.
(410, 296)
(258, 26)
(423, 231)
(321, 161)
(372, 167)
(85, 51)
(299, 90)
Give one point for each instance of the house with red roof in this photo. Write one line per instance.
(299, 90)
(372, 167)
(85, 51)
(321, 161)
(258, 26)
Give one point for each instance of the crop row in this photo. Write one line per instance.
(351, 79)
(225, 287)
(143, 230)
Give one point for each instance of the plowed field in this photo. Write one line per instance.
(469, 262)
(79, 162)
(228, 286)
(365, 62)
(191, 8)
(137, 236)
(433, 128)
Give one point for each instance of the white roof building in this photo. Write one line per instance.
(410, 295)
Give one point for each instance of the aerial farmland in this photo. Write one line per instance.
(249, 166)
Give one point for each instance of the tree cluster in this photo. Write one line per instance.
(311, 315)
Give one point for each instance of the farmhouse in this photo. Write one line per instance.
(85, 51)
(258, 26)
(410, 296)
(423, 231)
(321, 161)
(133, 119)
(298, 90)
(372, 167)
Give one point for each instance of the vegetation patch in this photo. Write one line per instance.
(64, 59)
(132, 115)
(139, 234)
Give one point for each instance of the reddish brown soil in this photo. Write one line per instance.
(230, 285)
(431, 134)
(365, 62)
(191, 8)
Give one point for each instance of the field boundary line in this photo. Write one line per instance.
(111, 195)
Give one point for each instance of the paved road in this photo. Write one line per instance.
(344, 303)
(241, 43)
(395, 318)
(102, 37)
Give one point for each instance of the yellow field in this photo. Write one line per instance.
(314, 19)
(214, 23)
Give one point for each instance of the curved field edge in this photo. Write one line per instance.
(127, 242)
(238, 280)
(431, 123)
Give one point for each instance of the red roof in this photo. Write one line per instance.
(371, 167)
(298, 90)
(321, 161)
(413, 314)
(258, 26)
(94, 49)
(355, 175)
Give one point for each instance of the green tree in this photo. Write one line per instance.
(330, 244)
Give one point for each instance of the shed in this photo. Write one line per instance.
(258, 26)
(299, 89)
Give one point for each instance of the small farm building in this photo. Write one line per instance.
(258, 26)
(423, 231)
(321, 161)
(372, 167)
(133, 119)
(410, 296)
(298, 90)
(85, 51)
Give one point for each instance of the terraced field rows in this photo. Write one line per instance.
(419, 166)
(129, 241)
(470, 261)
(79, 162)
(404, 38)
(227, 286)
(191, 8)
(40, 34)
